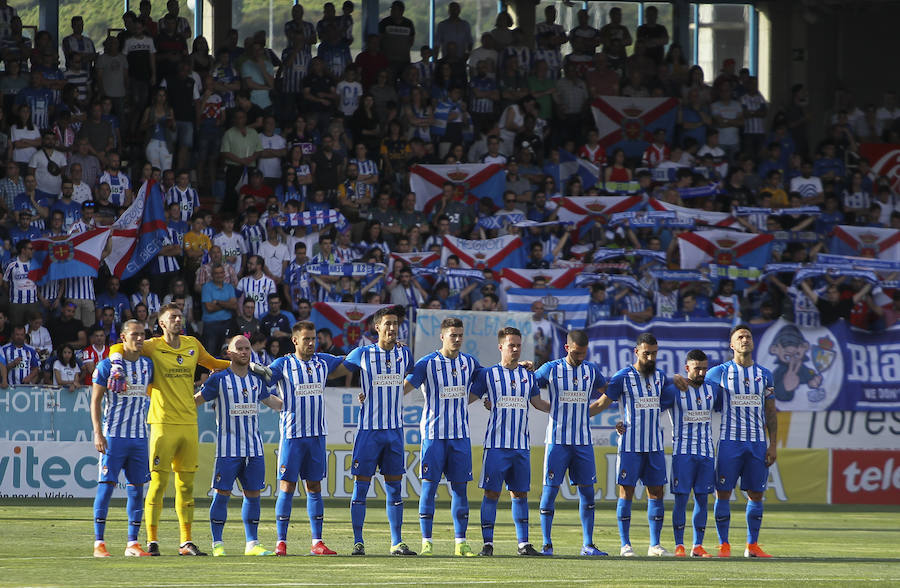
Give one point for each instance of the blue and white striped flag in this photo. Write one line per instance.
(567, 306)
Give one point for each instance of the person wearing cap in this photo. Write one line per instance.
(86, 221)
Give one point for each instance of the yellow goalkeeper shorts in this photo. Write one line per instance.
(173, 448)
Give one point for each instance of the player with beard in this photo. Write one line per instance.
(638, 388)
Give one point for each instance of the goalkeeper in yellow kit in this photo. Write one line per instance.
(173, 421)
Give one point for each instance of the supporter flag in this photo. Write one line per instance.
(629, 123)
(418, 258)
(866, 242)
(346, 321)
(583, 210)
(495, 254)
(885, 160)
(565, 306)
(137, 235)
(472, 181)
(570, 165)
(698, 216)
(523, 278)
(739, 256)
(69, 257)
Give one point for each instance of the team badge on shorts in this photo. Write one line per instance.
(424, 468)
(675, 482)
(105, 470)
(218, 477)
(283, 468)
(550, 474)
(623, 475)
(356, 463)
(721, 479)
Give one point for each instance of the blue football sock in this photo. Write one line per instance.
(394, 507)
(586, 510)
(218, 513)
(623, 515)
(488, 518)
(135, 509)
(520, 518)
(754, 520)
(459, 508)
(548, 500)
(679, 517)
(283, 506)
(250, 515)
(358, 509)
(426, 507)
(315, 508)
(101, 507)
(722, 512)
(699, 519)
(655, 515)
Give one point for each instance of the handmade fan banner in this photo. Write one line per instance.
(679, 275)
(353, 270)
(823, 270)
(698, 216)
(309, 218)
(879, 265)
(866, 242)
(650, 219)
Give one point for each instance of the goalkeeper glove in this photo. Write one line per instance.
(116, 382)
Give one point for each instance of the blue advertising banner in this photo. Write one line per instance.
(815, 369)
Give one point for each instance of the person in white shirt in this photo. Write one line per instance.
(349, 91)
(808, 185)
(276, 254)
(728, 117)
(47, 165)
(274, 149)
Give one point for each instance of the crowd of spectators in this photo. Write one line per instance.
(239, 135)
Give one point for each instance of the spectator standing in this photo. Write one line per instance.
(219, 300)
(398, 34)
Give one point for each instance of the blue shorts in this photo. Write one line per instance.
(380, 448)
(577, 459)
(303, 456)
(250, 471)
(744, 460)
(693, 472)
(132, 455)
(510, 465)
(647, 466)
(450, 457)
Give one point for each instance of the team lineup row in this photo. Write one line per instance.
(141, 373)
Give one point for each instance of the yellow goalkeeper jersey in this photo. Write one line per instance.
(172, 394)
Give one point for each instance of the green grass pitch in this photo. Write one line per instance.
(49, 544)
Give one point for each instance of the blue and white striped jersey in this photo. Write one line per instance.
(152, 302)
(258, 291)
(366, 167)
(125, 412)
(381, 376)
(79, 288)
(187, 199)
(301, 385)
(237, 412)
(118, 184)
(571, 390)
(255, 235)
(638, 398)
(169, 263)
(29, 359)
(22, 289)
(690, 411)
(509, 392)
(744, 391)
(445, 384)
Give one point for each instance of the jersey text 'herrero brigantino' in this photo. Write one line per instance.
(445, 383)
(381, 376)
(690, 411)
(301, 385)
(124, 412)
(638, 397)
(743, 395)
(571, 390)
(509, 392)
(237, 412)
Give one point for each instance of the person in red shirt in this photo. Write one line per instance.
(96, 351)
(371, 61)
(258, 190)
(593, 151)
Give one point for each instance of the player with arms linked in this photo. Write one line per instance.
(571, 382)
(239, 446)
(379, 439)
(693, 464)
(508, 388)
(640, 447)
(120, 435)
(445, 378)
(747, 402)
(300, 380)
